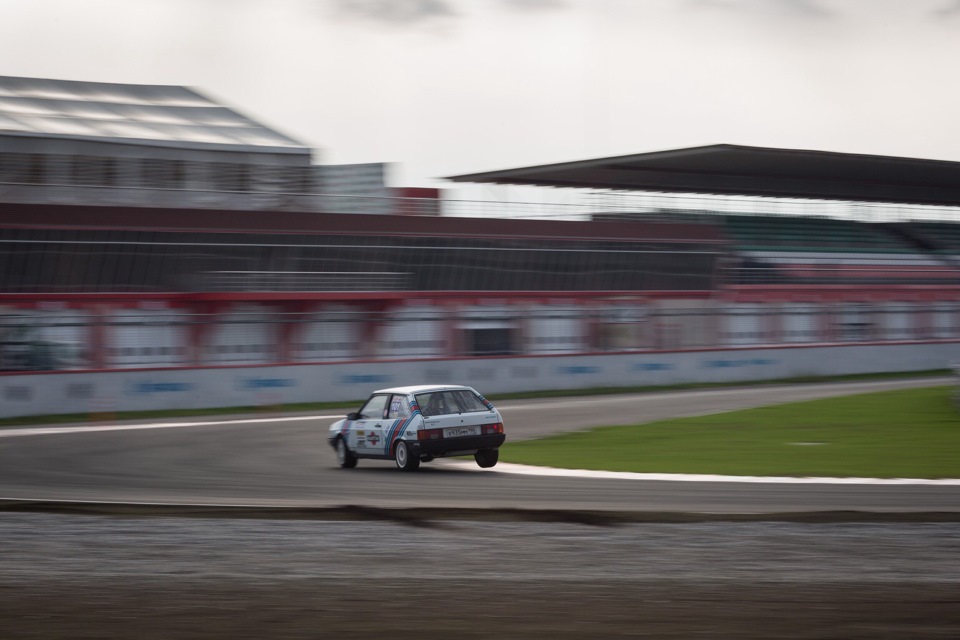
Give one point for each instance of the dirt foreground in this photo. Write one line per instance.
(478, 609)
(102, 577)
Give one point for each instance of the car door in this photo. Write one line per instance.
(399, 419)
(368, 427)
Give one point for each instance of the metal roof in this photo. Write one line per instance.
(754, 171)
(153, 115)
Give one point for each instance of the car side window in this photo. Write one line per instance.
(374, 408)
(399, 407)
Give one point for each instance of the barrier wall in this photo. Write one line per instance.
(103, 393)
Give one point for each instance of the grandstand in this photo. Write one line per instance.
(801, 250)
(332, 279)
(940, 238)
(150, 227)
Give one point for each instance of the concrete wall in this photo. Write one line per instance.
(131, 390)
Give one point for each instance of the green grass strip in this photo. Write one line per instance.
(911, 433)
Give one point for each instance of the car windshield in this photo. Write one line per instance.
(439, 403)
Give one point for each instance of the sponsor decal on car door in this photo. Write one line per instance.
(400, 415)
(369, 426)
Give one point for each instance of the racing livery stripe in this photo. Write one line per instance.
(397, 431)
(388, 437)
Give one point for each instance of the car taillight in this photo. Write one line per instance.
(430, 434)
(496, 427)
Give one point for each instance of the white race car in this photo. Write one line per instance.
(414, 424)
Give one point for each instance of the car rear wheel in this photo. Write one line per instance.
(345, 457)
(404, 459)
(487, 458)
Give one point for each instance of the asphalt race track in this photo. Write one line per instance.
(652, 559)
(284, 461)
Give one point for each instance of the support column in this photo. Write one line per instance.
(291, 329)
(451, 321)
(773, 327)
(374, 319)
(99, 316)
(592, 324)
(521, 316)
(203, 317)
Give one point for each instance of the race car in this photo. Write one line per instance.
(416, 424)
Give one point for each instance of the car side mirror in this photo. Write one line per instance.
(353, 415)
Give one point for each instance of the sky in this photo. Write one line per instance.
(444, 87)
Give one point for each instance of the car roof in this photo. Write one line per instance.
(422, 388)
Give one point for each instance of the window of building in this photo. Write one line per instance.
(93, 171)
(162, 174)
(22, 168)
(230, 176)
(489, 342)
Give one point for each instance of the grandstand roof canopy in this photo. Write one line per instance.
(153, 115)
(751, 171)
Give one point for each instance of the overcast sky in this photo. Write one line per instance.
(442, 87)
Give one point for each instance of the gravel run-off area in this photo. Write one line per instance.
(94, 576)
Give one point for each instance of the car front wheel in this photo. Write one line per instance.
(487, 458)
(345, 457)
(404, 459)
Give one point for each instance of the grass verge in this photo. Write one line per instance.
(911, 433)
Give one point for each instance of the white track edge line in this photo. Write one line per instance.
(554, 472)
(40, 431)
